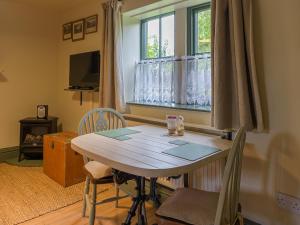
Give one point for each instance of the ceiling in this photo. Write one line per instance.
(160, 7)
(57, 5)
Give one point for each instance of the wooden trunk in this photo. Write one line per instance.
(61, 163)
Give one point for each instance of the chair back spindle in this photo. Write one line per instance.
(227, 208)
(100, 119)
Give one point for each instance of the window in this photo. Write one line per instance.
(157, 37)
(199, 29)
(178, 82)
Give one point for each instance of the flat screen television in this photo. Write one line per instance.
(84, 70)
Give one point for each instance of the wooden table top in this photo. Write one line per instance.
(143, 155)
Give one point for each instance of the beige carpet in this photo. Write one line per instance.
(26, 193)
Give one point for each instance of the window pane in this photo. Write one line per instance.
(152, 39)
(167, 36)
(203, 30)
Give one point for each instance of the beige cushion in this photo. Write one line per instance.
(190, 206)
(97, 170)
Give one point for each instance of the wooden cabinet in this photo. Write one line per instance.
(61, 163)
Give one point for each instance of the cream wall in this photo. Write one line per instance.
(28, 74)
(131, 53)
(272, 162)
(69, 109)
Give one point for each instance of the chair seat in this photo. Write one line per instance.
(97, 170)
(189, 206)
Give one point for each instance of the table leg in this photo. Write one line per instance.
(154, 196)
(142, 217)
(186, 180)
(138, 203)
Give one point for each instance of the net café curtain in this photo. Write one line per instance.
(112, 94)
(185, 80)
(236, 98)
(155, 81)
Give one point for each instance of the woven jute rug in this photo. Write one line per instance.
(26, 193)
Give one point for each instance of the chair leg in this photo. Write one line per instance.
(117, 195)
(85, 193)
(93, 208)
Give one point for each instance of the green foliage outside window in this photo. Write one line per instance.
(199, 29)
(152, 50)
(153, 43)
(204, 31)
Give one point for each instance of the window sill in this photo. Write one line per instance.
(173, 106)
(187, 126)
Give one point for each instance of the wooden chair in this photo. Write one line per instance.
(191, 206)
(98, 119)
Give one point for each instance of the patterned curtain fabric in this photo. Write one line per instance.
(197, 74)
(112, 94)
(185, 80)
(236, 98)
(154, 82)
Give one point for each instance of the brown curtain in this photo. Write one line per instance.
(236, 99)
(112, 81)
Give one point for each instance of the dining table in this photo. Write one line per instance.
(148, 151)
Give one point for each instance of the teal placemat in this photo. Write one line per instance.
(117, 132)
(122, 138)
(191, 151)
(179, 142)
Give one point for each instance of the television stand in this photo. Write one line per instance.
(81, 90)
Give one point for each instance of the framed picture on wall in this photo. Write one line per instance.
(91, 24)
(67, 31)
(78, 30)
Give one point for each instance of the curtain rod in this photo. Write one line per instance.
(178, 59)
